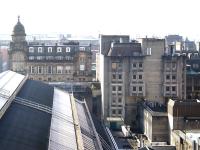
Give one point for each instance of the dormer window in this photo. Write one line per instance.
(59, 49)
(67, 49)
(31, 50)
(82, 48)
(39, 49)
(49, 49)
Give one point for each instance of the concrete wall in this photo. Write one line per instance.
(153, 69)
(160, 129)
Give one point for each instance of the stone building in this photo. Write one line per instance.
(53, 62)
(131, 71)
(184, 124)
(193, 76)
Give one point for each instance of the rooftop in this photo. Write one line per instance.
(43, 117)
(125, 49)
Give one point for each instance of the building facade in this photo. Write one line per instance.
(131, 71)
(49, 62)
(193, 76)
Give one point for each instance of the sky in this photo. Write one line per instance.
(138, 18)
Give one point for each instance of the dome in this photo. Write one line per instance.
(19, 29)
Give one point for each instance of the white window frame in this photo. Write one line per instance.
(149, 51)
(31, 57)
(51, 69)
(68, 49)
(40, 67)
(40, 50)
(31, 50)
(59, 69)
(59, 49)
(134, 63)
(32, 69)
(67, 69)
(82, 48)
(50, 50)
(39, 57)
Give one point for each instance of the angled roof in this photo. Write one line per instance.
(24, 127)
(42, 117)
(89, 134)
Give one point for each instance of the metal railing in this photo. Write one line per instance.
(32, 104)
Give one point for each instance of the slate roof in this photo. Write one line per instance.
(38, 92)
(38, 114)
(24, 127)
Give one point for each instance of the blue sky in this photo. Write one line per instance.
(134, 17)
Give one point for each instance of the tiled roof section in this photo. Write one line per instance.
(37, 92)
(125, 49)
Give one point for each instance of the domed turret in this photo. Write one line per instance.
(19, 29)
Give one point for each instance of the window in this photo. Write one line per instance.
(113, 112)
(119, 111)
(114, 65)
(134, 65)
(113, 76)
(173, 66)
(31, 50)
(59, 49)
(59, 57)
(39, 57)
(140, 65)
(140, 88)
(134, 76)
(119, 88)
(49, 57)
(69, 58)
(114, 100)
(173, 77)
(134, 88)
(40, 70)
(67, 49)
(49, 49)
(140, 77)
(82, 67)
(32, 69)
(113, 88)
(59, 69)
(195, 66)
(119, 65)
(49, 69)
(67, 69)
(119, 100)
(39, 49)
(167, 66)
(167, 77)
(167, 88)
(148, 51)
(82, 48)
(173, 88)
(82, 59)
(31, 57)
(120, 76)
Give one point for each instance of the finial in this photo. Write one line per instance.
(18, 18)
